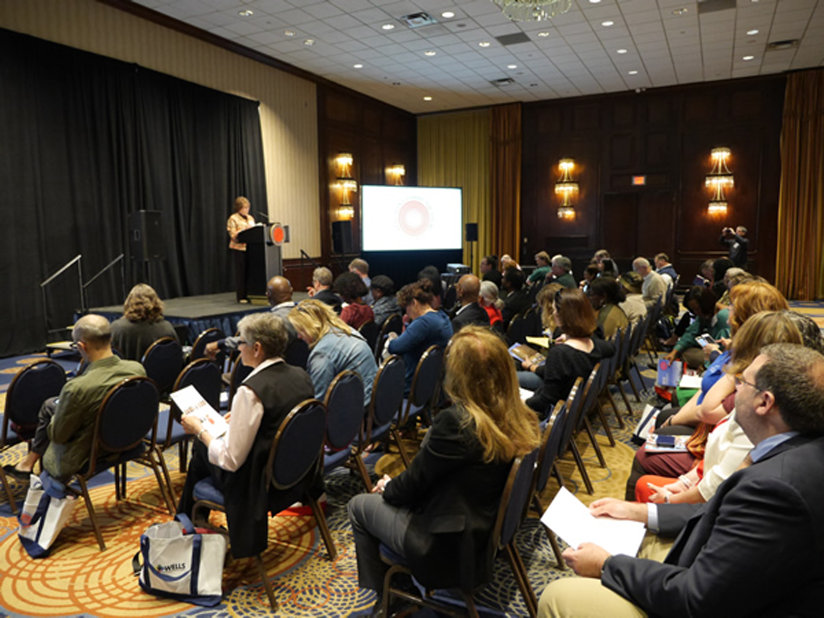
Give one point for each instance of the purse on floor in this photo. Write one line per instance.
(181, 562)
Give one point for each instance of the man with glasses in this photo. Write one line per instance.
(65, 424)
(755, 548)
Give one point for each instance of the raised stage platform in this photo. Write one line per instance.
(191, 315)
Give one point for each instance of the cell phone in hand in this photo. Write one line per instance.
(704, 340)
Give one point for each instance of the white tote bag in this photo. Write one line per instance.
(42, 518)
(180, 563)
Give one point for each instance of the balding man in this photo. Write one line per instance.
(65, 425)
(654, 285)
(755, 548)
(469, 289)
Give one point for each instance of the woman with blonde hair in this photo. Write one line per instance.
(492, 304)
(334, 346)
(142, 323)
(239, 220)
(442, 509)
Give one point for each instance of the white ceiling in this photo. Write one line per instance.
(570, 55)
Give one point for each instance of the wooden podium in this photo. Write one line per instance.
(263, 261)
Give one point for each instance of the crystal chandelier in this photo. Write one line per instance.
(533, 10)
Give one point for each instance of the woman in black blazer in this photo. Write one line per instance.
(439, 513)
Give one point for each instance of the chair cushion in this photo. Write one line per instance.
(389, 556)
(206, 490)
(178, 433)
(334, 459)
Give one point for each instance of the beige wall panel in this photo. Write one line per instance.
(288, 113)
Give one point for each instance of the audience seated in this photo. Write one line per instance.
(321, 288)
(426, 326)
(516, 298)
(542, 269)
(334, 346)
(142, 323)
(606, 296)
(546, 304)
(654, 286)
(665, 269)
(351, 288)
(360, 267)
(732, 277)
(590, 273)
(470, 310)
(236, 461)
(606, 265)
(709, 320)
(434, 276)
(633, 305)
(65, 424)
(561, 270)
(383, 291)
(439, 513)
(489, 270)
(507, 262)
(754, 548)
(719, 269)
(573, 354)
(491, 303)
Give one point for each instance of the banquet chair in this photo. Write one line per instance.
(422, 394)
(370, 332)
(344, 418)
(293, 456)
(392, 324)
(210, 335)
(127, 413)
(29, 388)
(163, 361)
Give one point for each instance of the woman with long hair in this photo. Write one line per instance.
(142, 323)
(239, 220)
(572, 355)
(442, 509)
(606, 296)
(334, 346)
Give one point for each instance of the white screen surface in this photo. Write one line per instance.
(410, 218)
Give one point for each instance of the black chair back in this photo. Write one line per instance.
(163, 361)
(551, 443)
(387, 392)
(128, 412)
(426, 379)
(29, 388)
(575, 409)
(450, 298)
(392, 324)
(344, 409)
(210, 335)
(516, 496)
(204, 375)
(236, 377)
(297, 444)
(297, 353)
(370, 332)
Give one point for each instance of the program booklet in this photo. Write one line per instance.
(522, 352)
(190, 401)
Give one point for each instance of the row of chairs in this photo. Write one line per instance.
(376, 336)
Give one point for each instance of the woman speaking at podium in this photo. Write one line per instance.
(239, 221)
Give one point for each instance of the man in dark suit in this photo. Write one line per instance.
(755, 548)
(517, 298)
(321, 288)
(489, 270)
(470, 312)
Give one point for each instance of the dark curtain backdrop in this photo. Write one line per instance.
(84, 141)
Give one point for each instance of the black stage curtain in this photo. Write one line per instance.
(84, 141)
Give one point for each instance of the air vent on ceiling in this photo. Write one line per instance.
(418, 20)
(779, 45)
(503, 82)
(512, 39)
(710, 6)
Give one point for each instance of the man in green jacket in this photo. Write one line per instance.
(66, 423)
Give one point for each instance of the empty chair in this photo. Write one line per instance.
(126, 415)
(163, 362)
(210, 335)
(294, 453)
(29, 388)
(344, 417)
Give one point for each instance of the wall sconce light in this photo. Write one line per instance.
(344, 162)
(566, 187)
(346, 185)
(396, 174)
(719, 179)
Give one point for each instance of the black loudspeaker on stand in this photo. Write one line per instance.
(471, 236)
(342, 237)
(146, 236)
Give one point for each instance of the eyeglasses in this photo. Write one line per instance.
(739, 380)
(73, 345)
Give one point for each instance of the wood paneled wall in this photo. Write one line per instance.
(667, 135)
(377, 136)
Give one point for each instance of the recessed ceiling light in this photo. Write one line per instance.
(748, 58)
(447, 14)
(483, 44)
(289, 32)
(607, 23)
(427, 98)
(543, 34)
(309, 42)
(752, 32)
(633, 72)
(680, 11)
(512, 66)
(429, 53)
(357, 66)
(594, 1)
(621, 51)
(388, 27)
(246, 13)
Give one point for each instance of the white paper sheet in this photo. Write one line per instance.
(571, 520)
(190, 401)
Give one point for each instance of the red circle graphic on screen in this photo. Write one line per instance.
(413, 218)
